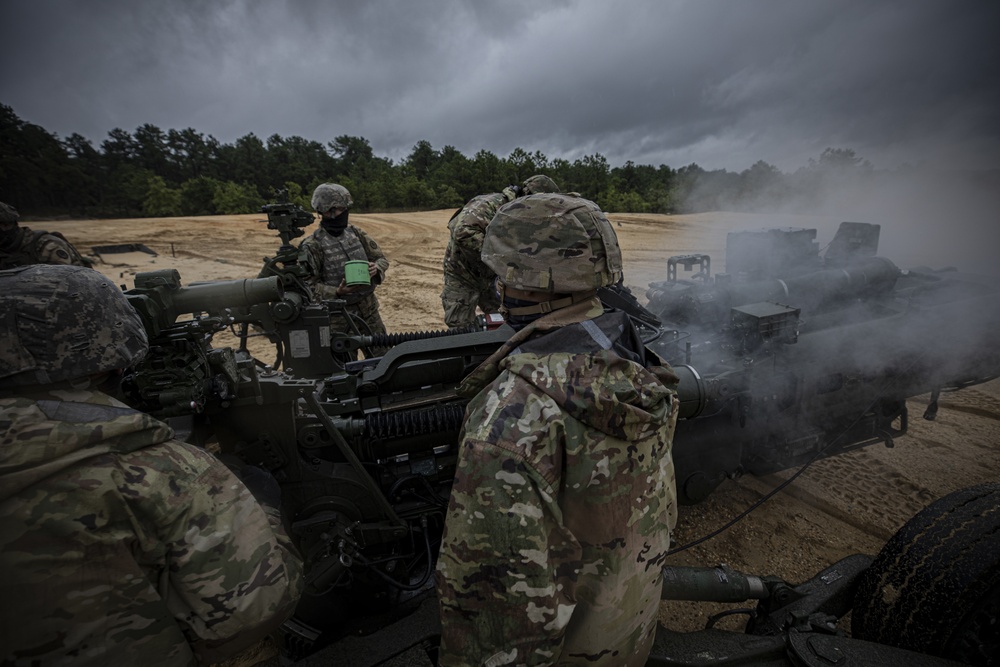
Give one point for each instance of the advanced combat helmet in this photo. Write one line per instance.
(331, 195)
(537, 184)
(64, 322)
(553, 243)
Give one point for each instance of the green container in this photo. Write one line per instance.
(356, 273)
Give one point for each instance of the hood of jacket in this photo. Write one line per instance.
(48, 431)
(593, 369)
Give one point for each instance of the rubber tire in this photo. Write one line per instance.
(935, 586)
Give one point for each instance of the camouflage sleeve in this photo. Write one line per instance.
(311, 254)
(504, 512)
(53, 250)
(374, 253)
(469, 241)
(232, 575)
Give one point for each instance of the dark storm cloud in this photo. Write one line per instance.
(723, 84)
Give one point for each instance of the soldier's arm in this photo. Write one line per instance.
(502, 553)
(232, 575)
(375, 254)
(469, 235)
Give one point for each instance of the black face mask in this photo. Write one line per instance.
(335, 226)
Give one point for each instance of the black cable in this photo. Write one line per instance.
(399, 585)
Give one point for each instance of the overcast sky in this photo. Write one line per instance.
(719, 83)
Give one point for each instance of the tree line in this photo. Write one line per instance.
(157, 173)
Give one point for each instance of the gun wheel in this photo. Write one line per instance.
(935, 586)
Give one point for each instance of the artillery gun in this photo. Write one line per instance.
(780, 362)
(790, 355)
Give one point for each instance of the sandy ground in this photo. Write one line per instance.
(846, 505)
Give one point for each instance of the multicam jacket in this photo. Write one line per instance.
(326, 254)
(121, 546)
(38, 247)
(564, 501)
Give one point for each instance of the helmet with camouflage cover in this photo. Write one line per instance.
(8, 213)
(63, 322)
(552, 243)
(537, 184)
(331, 195)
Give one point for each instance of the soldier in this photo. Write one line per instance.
(20, 246)
(329, 248)
(467, 281)
(118, 544)
(564, 497)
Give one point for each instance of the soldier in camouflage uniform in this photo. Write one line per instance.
(118, 544)
(467, 281)
(329, 248)
(20, 246)
(564, 497)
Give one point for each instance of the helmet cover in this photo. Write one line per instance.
(537, 184)
(553, 243)
(331, 195)
(61, 322)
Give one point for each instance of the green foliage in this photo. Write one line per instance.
(297, 196)
(623, 202)
(447, 197)
(198, 196)
(161, 201)
(232, 198)
(839, 159)
(127, 190)
(155, 172)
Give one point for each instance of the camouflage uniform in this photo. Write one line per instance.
(327, 254)
(329, 249)
(21, 246)
(118, 545)
(467, 281)
(564, 499)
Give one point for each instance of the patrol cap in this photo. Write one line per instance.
(62, 322)
(554, 243)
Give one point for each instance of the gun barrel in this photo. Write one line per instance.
(710, 584)
(691, 391)
(159, 298)
(214, 296)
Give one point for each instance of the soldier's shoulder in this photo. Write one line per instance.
(54, 248)
(176, 459)
(491, 201)
(365, 238)
(310, 241)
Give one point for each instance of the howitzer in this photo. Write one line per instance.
(365, 451)
(790, 356)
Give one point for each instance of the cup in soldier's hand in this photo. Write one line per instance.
(356, 273)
